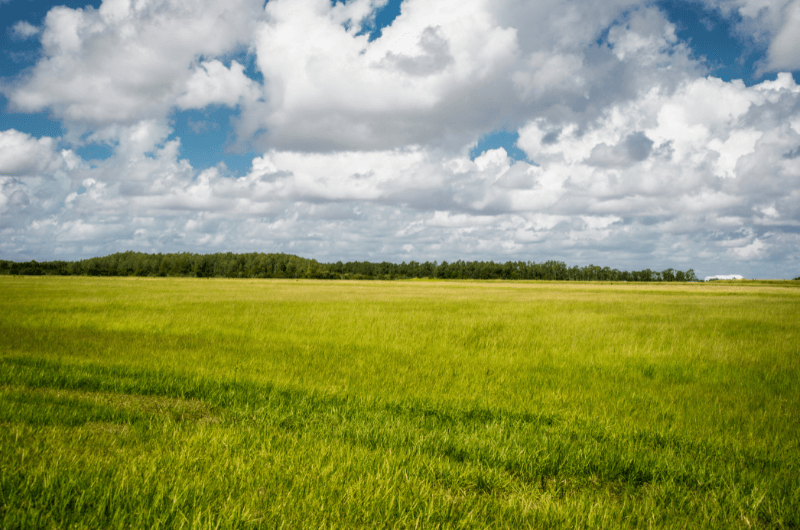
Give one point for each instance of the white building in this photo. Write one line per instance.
(724, 277)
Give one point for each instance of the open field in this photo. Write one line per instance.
(183, 403)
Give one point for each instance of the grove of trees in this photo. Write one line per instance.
(259, 265)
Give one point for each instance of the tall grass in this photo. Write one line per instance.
(235, 403)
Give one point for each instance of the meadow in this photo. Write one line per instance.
(211, 403)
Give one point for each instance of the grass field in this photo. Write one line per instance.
(180, 403)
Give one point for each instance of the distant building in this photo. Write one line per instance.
(724, 277)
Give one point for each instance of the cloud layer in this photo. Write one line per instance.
(635, 157)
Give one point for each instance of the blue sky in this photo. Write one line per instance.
(622, 133)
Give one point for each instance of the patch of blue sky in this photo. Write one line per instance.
(244, 57)
(206, 140)
(20, 53)
(206, 134)
(383, 17)
(712, 35)
(494, 140)
(37, 125)
(95, 151)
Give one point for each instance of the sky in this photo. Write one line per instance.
(622, 133)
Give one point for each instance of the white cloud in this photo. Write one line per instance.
(24, 30)
(445, 71)
(130, 61)
(545, 71)
(740, 143)
(661, 203)
(212, 83)
(23, 155)
(784, 50)
(34, 179)
(670, 144)
(337, 90)
(754, 250)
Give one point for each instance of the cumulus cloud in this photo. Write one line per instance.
(784, 50)
(754, 250)
(23, 155)
(24, 30)
(449, 71)
(699, 159)
(34, 178)
(339, 91)
(672, 185)
(212, 83)
(128, 61)
(443, 72)
(635, 147)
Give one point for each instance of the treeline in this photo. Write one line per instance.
(258, 265)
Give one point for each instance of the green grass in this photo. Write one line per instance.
(179, 403)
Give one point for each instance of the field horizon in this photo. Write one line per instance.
(250, 403)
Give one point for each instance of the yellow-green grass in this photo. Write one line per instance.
(173, 403)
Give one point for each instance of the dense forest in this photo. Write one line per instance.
(258, 265)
